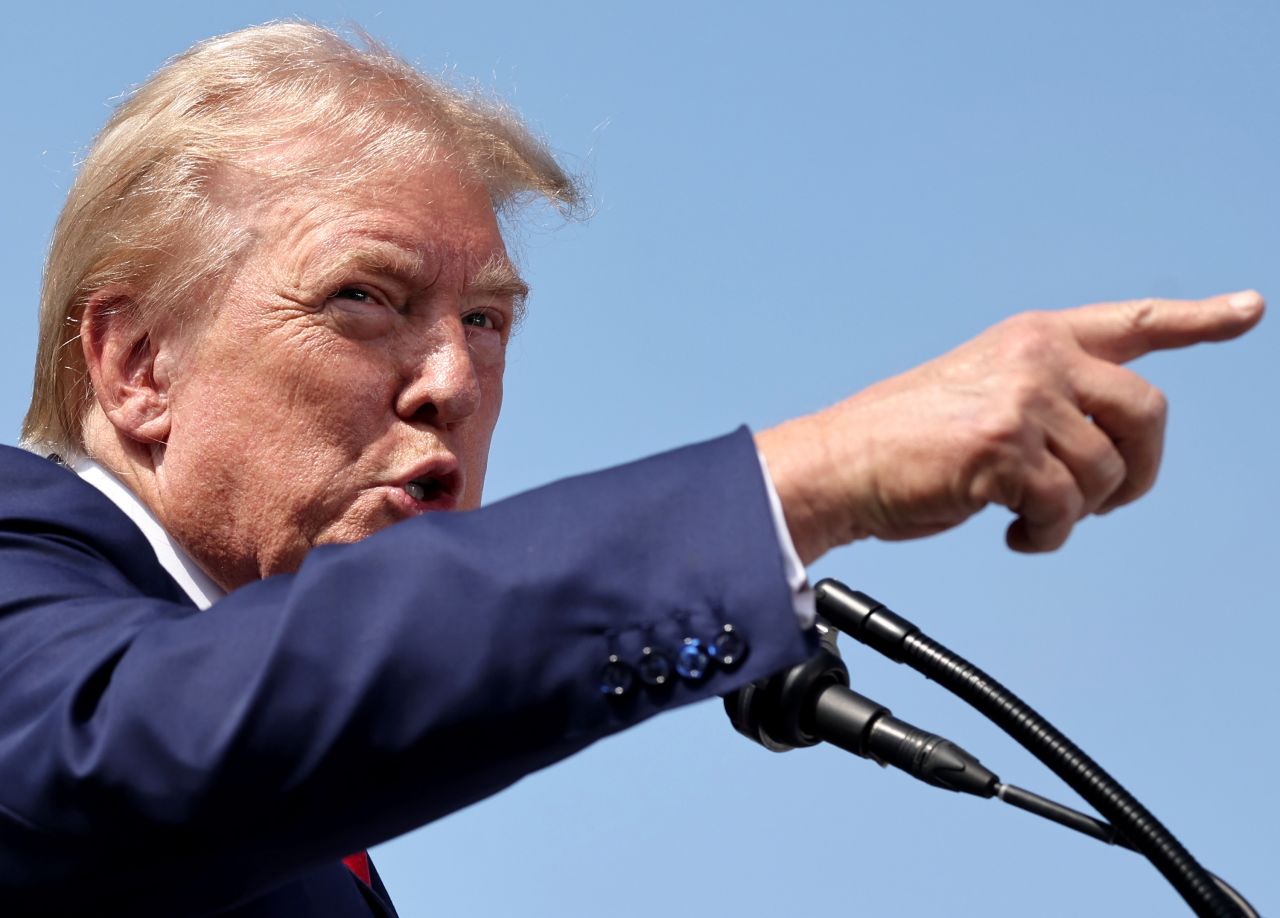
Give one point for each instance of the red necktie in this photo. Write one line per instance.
(358, 864)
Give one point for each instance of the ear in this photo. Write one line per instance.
(128, 367)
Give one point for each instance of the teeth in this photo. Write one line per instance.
(416, 490)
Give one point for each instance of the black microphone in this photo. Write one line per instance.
(812, 702)
(864, 727)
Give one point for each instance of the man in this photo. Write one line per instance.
(238, 643)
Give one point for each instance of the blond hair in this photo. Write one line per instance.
(142, 217)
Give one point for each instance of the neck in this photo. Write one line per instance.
(140, 468)
(135, 464)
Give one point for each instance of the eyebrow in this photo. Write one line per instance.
(495, 277)
(372, 254)
(498, 277)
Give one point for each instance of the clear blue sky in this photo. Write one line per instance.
(792, 201)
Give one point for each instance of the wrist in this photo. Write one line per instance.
(800, 463)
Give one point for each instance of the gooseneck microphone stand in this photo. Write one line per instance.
(812, 702)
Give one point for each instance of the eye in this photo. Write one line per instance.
(479, 320)
(360, 312)
(352, 293)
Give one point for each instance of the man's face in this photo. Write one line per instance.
(349, 377)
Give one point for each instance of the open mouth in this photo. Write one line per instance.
(439, 489)
(426, 489)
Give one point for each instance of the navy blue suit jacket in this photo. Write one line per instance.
(158, 760)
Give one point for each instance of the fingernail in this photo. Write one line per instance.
(1245, 301)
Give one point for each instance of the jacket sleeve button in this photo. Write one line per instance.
(654, 667)
(616, 677)
(692, 660)
(728, 647)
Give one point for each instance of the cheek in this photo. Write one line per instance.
(479, 434)
(488, 353)
(339, 392)
(491, 379)
(313, 408)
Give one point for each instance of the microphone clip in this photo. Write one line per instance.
(777, 712)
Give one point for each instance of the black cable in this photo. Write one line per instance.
(870, 622)
(857, 724)
(1062, 815)
(812, 703)
(1095, 828)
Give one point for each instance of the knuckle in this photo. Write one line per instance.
(1154, 408)
(1030, 338)
(1112, 472)
(1063, 501)
(1104, 470)
(1140, 316)
(1026, 395)
(994, 480)
(1135, 485)
(1143, 481)
(1009, 424)
(1000, 437)
(1031, 319)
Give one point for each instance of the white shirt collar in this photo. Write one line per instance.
(194, 582)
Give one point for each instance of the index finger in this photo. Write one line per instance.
(1119, 332)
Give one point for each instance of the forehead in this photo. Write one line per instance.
(302, 204)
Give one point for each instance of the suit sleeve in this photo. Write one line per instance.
(385, 684)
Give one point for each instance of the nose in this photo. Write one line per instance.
(441, 384)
